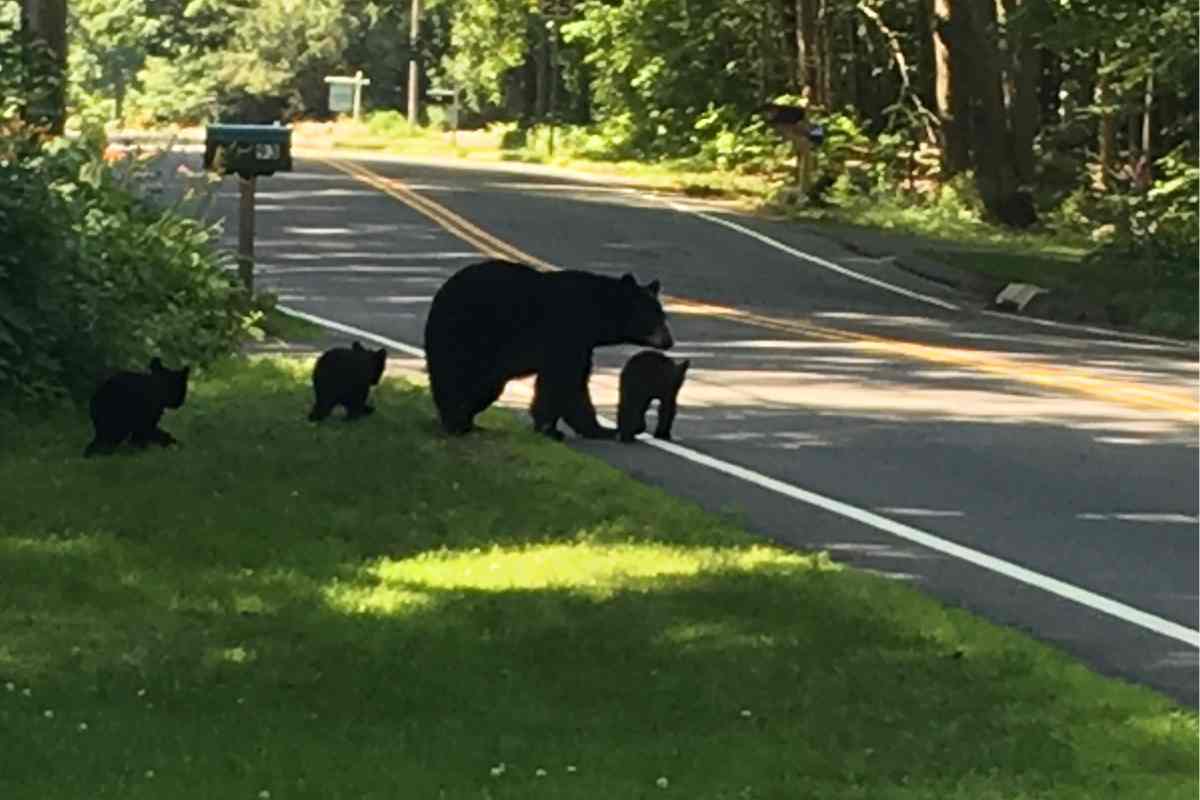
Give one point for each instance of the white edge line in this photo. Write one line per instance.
(820, 262)
(415, 352)
(1063, 589)
(1179, 344)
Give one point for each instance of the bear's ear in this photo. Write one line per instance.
(381, 354)
(156, 364)
(358, 346)
(628, 278)
(683, 366)
(654, 287)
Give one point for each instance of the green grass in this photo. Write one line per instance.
(374, 610)
(1133, 298)
(283, 326)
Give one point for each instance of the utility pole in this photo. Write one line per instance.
(414, 32)
(45, 22)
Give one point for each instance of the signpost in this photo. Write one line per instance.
(345, 94)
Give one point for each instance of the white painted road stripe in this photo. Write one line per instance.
(849, 273)
(1063, 589)
(820, 262)
(415, 352)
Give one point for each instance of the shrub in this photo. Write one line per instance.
(93, 278)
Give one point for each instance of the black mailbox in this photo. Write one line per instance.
(248, 150)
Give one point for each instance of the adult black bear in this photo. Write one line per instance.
(343, 376)
(129, 406)
(649, 376)
(498, 320)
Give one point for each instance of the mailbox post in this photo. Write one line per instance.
(247, 151)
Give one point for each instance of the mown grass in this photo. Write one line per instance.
(372, 610)
(276, 324)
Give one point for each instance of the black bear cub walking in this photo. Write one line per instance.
(647, 376)
(344, 376)
(129, 406)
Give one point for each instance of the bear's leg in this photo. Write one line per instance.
(101, 446)
(486, 393)
(322, 406)
(631, 413)
(159, 436)
(108, 438)
(666, 417)
(458, 392)
(579, 412)
(355, 402)
(546, 401)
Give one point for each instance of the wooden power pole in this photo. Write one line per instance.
(414, 33)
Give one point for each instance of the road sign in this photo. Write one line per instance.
(341, 97)
(345, 93)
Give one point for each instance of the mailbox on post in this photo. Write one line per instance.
(247, 151)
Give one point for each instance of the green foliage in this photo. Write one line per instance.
(181, 90)
(110, 41)
(285, 48)
(487, 39)
(390, 123)
(92, 278)
(663, 67)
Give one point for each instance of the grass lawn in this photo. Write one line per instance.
(371, 610)
(283, 326)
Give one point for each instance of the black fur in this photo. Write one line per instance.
(343, 376)
(498, 320)
(129, 405)
(648, 376)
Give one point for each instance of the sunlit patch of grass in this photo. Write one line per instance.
(375, 610)
(584, 567)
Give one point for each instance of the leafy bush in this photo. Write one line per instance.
(92, 278)
(390, 123)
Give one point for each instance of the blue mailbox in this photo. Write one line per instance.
(248, 150)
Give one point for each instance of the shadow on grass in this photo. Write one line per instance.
(371, 609)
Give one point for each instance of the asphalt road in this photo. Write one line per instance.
(1065, 452)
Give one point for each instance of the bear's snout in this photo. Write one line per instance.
(661, 338)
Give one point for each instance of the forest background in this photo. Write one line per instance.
(1072, 122)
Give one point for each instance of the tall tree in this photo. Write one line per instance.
(44, 23)
(972, 32)
(953, 99)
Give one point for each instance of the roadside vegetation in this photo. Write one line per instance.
(1041, 126)
(279, 609)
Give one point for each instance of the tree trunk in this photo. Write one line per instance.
(1025, 111)
(791, 33)
(806, 46)
(953, 102)
(1108, 127)
(45, 22)
(924, 78)
(996, 175)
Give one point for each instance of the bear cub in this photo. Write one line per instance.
(129, 406)
(343, 376)
(647, 376)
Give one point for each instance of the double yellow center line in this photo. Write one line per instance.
(1100, 387)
